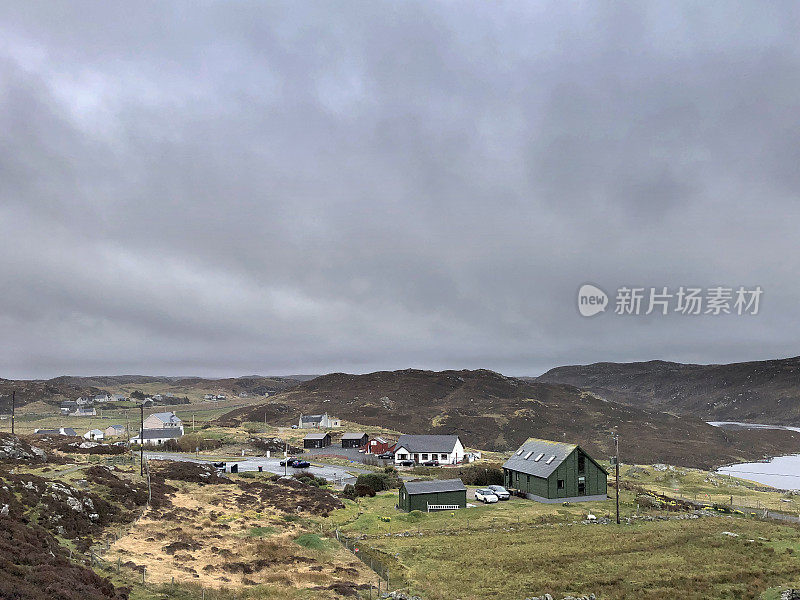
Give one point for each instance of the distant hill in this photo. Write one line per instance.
(763, 392)
(494, 412)
(65, 387)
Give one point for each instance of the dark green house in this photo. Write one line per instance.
(444, 494)
(555, 472)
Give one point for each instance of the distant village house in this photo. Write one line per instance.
(318, 421)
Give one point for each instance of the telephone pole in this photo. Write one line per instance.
(616, 470)
(13, 401)
(141, 440)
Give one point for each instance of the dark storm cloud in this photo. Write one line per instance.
(262, 187)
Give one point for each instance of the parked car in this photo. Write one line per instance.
(486, 496)
(386, 456)
(431, 463)
(288, 462)
(501, 492)
(300, 464)
(406, 463)
(294, 426)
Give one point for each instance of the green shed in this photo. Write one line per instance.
(443, 494)
(555, 472)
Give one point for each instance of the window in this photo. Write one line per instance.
(581, 486)
(581, 463)
(560, 484)
(424, 457)
(444, 456)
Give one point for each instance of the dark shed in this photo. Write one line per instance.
(354, 440)
(444, 494)
(317, 440)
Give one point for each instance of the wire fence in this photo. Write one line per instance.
(372, 558)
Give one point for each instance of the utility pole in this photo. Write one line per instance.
(141, 444)
(13, 402)
(616, 470)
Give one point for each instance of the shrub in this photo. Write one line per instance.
(364, 490)
(189, 442)
(311, 541)
(310, 479)
(379, 482)
(481, 476)
(349, 492)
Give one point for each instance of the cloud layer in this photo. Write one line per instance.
(225, 189)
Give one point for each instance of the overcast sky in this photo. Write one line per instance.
(303, 187)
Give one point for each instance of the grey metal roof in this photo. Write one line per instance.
(154, 434)
(166, 417)
(431, 487)
(311, 418)
(533, 448)
(316, 436)
(70, 431)
(353, 436)
(427, 443)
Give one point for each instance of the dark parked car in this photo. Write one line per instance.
(501, 492)
(406, 463)
(300, 464)
(431, 463)
(288, 462)
(386, 456)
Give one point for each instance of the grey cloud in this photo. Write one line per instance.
(227, 189)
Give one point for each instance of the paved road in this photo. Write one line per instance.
(341, 475)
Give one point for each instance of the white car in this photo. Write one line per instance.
(486, 496)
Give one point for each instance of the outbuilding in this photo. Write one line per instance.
(555, 472)
(354, 440)
(317, 440)
(441, 494)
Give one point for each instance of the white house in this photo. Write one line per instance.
(94, 434)
(119, 398)
(318, 421)
(447, 449)
(154, 437)
(163, 420)
(101, 398)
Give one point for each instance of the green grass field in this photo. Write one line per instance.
(520, 548)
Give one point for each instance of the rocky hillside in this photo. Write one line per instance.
(762, 392)
(494, 412)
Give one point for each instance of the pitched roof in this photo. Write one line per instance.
(535, 448)
(70, 431)
(116, 427)
(311, 418)
(155, 434)
(166, 417)
(353, 436)
(431, 487)
(427, 443)
(316, 436)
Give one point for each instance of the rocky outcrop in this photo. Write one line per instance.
(13, 448)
